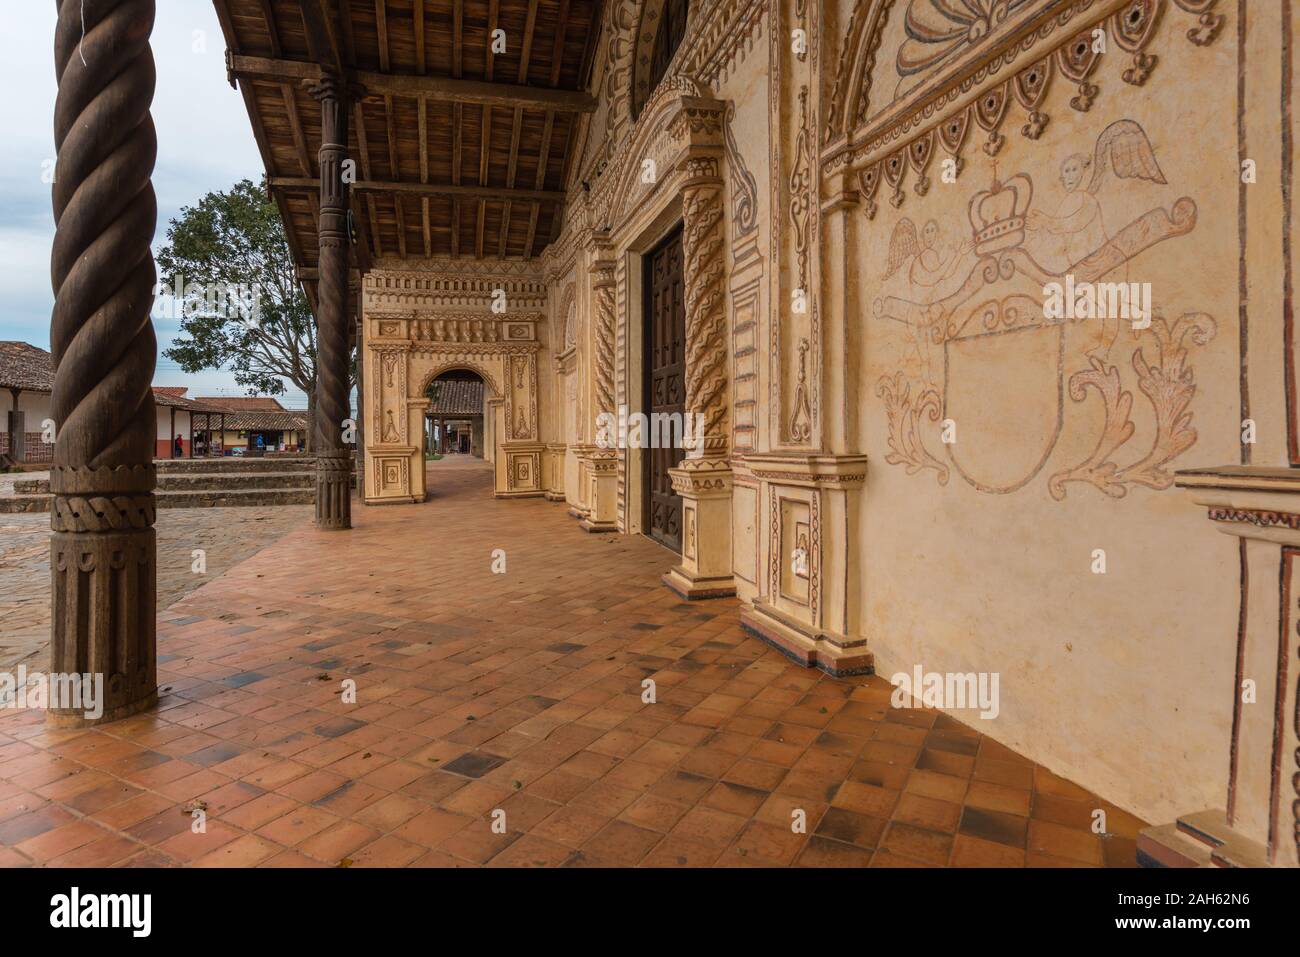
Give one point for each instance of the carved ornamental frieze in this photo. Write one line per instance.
(890, 141)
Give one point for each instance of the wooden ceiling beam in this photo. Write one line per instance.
(307, 183)
(268, 14)
(544, 154)
(486, 140)
(381, 27)
(423, 124)
(525, 55)
(457, 117)
(259, 127)
(543, 159)
(417, 16)
(322, 35)
(290, 96)
(441, 88)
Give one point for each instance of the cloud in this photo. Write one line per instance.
(205, 143)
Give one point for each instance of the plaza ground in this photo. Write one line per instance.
(226, 537)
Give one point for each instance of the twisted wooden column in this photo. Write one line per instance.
(103, 552)
(333, 340)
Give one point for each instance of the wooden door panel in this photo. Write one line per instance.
(665, 374)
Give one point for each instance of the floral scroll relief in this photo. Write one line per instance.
(1169, 385)
(906, 447)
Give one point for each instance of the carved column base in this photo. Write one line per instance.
(705, 488)
(104, 574)
(334, 489)
(602, 491)
(806, 607)
(519, 470)
(555, 471)
(581, 507)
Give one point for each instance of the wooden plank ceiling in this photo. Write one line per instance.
(460, 152)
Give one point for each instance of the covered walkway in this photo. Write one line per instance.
(521, 691)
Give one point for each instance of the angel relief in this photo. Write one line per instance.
(984, 356)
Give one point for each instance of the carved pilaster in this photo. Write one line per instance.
(333, 346)
(604, 288)
(705, 294)
(102, 549)
(1258, 824)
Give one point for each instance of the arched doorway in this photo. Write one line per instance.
(456, 421)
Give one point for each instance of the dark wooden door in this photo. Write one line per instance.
(665, 379)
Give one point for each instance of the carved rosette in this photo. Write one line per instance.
(705, 293)
(102, 547)
(333, 345)
(604, 286)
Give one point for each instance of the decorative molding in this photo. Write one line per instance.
(474, 349)
(724, 35)
(458, 284)
(1131, 25)
(568, 315)
(801, 195)
(744, 191)
(1254, 516)
(801, 420)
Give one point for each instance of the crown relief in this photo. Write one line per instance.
(997, 215)
(1075, 60)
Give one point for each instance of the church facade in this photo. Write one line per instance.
(857, 214)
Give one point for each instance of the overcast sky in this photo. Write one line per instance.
(205, 143)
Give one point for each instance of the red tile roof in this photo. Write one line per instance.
(173, 397)
(25, 367)
(458, 397)
(243, 403)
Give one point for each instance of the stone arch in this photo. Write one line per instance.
(568, 316)
(629, 31)
(853, 72)
(643, 48)
(653, 123)
(620, 32)
(452, 364)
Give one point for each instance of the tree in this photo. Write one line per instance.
(242, 306)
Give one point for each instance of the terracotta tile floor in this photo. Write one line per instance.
(518, 692)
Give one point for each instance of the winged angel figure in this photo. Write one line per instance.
(1122, 150)
(1077, 229)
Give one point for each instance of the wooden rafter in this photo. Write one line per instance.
(494, 10)
(544, 155)
(525, 52)
(428, 85)
(457, 117)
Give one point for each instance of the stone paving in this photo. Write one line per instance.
(226, 535)
(513, 699)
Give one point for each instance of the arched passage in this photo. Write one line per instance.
(456, 419)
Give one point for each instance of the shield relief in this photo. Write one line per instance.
(1004, 387)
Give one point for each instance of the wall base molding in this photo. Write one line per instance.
(834, 654)
(1203, 839)
(698, 588)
